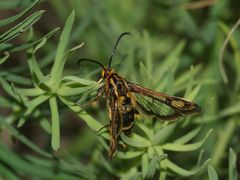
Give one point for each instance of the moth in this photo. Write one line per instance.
(125, 98)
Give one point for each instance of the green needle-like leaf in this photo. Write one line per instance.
(152, 167)
(169, 61)
(36, 72)
(55, 141)
(74, 79)
(144, 73)
(212, 173)
(11, 19)
(16, 79)
(21, 27)
(7, 173)
(31, 91)
(145, 129)
(14, 48)
(37, 101)
(31, 169)
(59, 61)
(183, 172)
(186, 147)
(22, 138)
(129, 154)
(192, 95)
(162, 135)
(8, 88)
(184, 139)
(145, 165)
(4, 58)
(135, 140)
(233, 175)
(91, 122)
(67, 91)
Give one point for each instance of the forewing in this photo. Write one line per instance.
(113, 112)
(115, 124)
(150, 106)
(161, 105)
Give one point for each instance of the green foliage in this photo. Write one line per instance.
(212, 173)
(173, 49)
(232, 169)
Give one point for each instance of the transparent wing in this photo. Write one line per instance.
(151, 107)
(161, 105)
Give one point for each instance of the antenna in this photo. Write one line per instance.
(91, 60)
(115, 46)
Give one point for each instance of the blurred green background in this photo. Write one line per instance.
(176, 47)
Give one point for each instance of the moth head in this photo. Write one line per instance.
(107, 72)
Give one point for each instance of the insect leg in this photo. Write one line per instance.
(99, 93)
(105, 126)
(123, 144)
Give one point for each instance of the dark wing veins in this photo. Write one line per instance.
(161, 105)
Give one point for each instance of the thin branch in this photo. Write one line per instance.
(221, 65)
